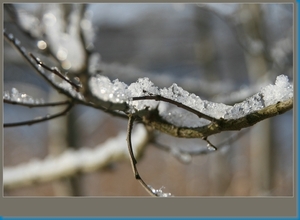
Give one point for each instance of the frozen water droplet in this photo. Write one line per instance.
(40, 68)
(210, 148)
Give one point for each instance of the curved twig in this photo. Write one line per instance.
(133, 160)
(178, 104)
(42, 119)
(200, 151)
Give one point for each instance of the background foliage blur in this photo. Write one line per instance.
(229, 47)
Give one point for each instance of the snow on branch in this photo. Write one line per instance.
(142, 99)
(70, 162)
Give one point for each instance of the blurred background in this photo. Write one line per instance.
(221, 52)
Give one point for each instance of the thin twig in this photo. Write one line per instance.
(35, 105)
(56, 72)
(201, 151)
(210, 144)
(42, 119)
(16, 43)
(132, 158)
(178, 104)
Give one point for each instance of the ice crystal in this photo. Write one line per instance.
(159, 192)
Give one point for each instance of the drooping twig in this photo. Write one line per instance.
(209, 144)
(133, 160)
(40, 119)
(180, 153)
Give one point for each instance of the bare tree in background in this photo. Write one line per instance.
(155, 116)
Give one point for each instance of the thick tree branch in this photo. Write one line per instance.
(156, 122)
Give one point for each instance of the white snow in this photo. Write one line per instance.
(106, 90)
(159, 192)
(282, 90)
(143, 87)
(16, 96)
(118, 92)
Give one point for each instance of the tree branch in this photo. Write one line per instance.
(184, 155)
(77, 86)
(40, 119)
(158, 123)
(63, 88)
(149, 189)
(178, 104)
